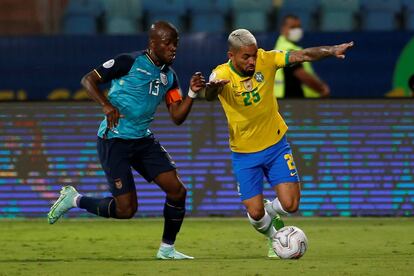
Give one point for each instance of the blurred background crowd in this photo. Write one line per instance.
(47, 45)
(133, 16)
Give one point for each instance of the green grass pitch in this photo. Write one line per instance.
(222, 246)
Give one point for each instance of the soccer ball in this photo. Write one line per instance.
(290, 242)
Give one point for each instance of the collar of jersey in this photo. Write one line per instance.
(235, 71)
(162, 67)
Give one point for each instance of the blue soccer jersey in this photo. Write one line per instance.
(137, 88)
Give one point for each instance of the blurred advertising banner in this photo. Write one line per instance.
(354, 157)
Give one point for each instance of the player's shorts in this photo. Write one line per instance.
(275, 163)
(145, 155)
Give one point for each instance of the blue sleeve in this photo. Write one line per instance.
(175, 82)
(115, 68)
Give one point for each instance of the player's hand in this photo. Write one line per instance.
(339, 50)
(197, 82)
(326, 91)
(112, 115)
(217, 83)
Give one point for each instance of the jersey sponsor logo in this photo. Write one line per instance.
(259, 76)
(143, 71)
(164, 79)
(293, 173)
(108, 64)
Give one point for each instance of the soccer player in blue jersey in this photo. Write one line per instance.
(140, 81)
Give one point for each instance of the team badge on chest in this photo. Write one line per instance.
(259, 77)
(163, 78)
(248, 84)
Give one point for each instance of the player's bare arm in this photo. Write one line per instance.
(317, 53)
(214, 87)
(179, 110)
(91, 81)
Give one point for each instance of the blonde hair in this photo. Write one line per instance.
(239, 38)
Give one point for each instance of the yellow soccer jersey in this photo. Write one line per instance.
(251, 109)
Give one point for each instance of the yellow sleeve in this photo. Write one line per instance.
(219, 73)
(280, 58)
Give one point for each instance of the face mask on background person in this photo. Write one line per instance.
(295, 34)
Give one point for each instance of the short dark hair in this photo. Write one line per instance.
(286, 17)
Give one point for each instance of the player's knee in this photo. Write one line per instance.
(291, 206)
(126, 212)
(178, 194)
(256, 214)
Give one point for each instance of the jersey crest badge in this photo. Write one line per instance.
(164, 79)
(259, 77)
(248, 84)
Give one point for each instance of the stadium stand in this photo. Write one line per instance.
(338, 15)
(21, 17)
(380, 15)
(123, 17)
(251, 14)
(408, 14)
(170, 10)
(306, 10)
(81, 16)
(208, 16)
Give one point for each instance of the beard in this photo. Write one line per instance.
(248, 73)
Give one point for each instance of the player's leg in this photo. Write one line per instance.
(283, 177)
(288, 198)
(174, 212)
(113, 155)
(258, 216)
(247, 168)
(155, 164)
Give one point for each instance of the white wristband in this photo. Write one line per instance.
(192, 94)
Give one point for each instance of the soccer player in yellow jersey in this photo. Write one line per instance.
(244, 86)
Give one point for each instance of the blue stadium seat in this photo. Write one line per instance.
(119, 25)
(208, 15)
(168, 10)
(255, 21)
(208, 22)
(126, 8)
(80, 16)
(338, 15)
(380, 15)
(123, 17)
(408, 12)
(251, 5)
(251, 14)
(304, 9)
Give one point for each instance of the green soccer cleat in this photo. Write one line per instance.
(63, 204)
(278, 222)
(276, 219)
(169, 253)
(271, 253)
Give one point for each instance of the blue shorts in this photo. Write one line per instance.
(118, 156)
(275, 163)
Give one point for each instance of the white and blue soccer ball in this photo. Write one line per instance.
(290, 242)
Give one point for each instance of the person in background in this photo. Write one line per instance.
(298, 80)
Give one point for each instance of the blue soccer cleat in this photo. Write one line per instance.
(64, 203)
